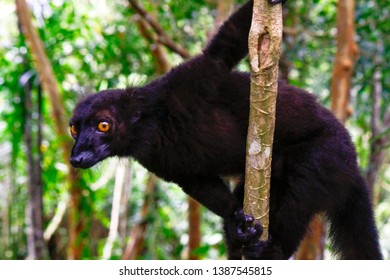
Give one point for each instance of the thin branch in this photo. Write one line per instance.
(380, 138)
(265, 39)
(57, 219)
(137, 235)
(194, 225)
(122, 180)
(346, 56)
(162, 63)
(163, 38)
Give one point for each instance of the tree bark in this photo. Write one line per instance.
(194, 233)
(163, 38)
(36, 246)
(313, 245)
(265, 38)
(135, 244)
(346, 56)
(122, 181)
(379, 138)
(49, 83)
(158, 53)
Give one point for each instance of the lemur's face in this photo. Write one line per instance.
(103, 126)
(94, 132)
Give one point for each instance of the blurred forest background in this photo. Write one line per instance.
(118, 210)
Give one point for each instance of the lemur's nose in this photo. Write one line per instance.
(76, 161)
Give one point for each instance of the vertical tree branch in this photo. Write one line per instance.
(194, 233)
(48, 80)
(36, 246)
(122, 179)
(380, 134)
(313, 245)
(137, 236)
(346, 56)
(160, 56)
(265, 38)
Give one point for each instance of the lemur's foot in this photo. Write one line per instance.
(244, 229)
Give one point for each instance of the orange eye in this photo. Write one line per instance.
(73, 130)
(103, 126)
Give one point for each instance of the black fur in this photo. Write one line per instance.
(190, 127)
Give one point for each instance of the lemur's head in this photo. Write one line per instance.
(99, 124)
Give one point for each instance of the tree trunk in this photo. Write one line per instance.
(36, 247)
(122, 181)
(313, 245)
(346, 56)
(49, 83)
(135, 244)
(194, 234)
(158, 53)
(265, 38)
(379, 139)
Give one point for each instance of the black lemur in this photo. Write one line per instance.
(190, 126)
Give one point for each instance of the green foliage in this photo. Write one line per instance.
(309, 44)
(97, 45)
